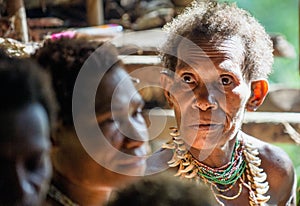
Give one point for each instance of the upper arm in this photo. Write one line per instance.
(281, 175)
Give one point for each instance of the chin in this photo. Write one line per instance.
(202, 140)
(134, 170)
(120, 174)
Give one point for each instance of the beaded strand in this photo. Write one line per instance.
(243, 166)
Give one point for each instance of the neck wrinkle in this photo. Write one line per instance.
(218, 157)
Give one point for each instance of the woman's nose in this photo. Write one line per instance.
(205, 101)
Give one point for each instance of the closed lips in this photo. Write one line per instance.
(206, 126)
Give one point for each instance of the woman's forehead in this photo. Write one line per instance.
(29, 126)
(116, 91)
(191, 51)
(212, 56)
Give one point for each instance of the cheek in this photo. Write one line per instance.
(108, 129)
(115, 138)
(181, 106)
(177, 113)
(40, 178)
(111, 133)
(183, 100)
(237, 99)
(139, 128)
(242, 92)
(233, 103)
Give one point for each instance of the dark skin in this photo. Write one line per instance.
(24, 153)
(90, 180)
(209, 95)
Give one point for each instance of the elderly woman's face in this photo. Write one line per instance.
(209, 92)
(25, 166)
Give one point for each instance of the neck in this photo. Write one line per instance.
(216, 157)
(82, 195)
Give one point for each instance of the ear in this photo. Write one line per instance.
(166, 82)
(56, 135)
(259, 90)
(53, 138)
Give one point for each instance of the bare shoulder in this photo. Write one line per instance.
(271, 154)
(279, 169)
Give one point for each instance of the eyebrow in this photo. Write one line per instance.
(229, 67)
(188, 68)
(136, 102)
(40, 151)
(36, 148)
(103, 116)
(183, 65)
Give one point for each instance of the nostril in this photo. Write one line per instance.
(214, 105)
(205, 105)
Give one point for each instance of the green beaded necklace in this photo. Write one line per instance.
(227, 174)
(189, 167)
(243, 166)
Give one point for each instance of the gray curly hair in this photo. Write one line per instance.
(220, 21)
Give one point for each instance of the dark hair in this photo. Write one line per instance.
(218, 21)
(23, 82)
(163, 190)
(64, 58)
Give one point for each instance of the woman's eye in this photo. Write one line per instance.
(226, 80)
(35, 163)
(188, 79)
(106, 122)
(136, 112)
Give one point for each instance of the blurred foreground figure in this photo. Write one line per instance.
(27, 111)
(163, 191)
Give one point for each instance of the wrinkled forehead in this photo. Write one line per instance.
(195, 49)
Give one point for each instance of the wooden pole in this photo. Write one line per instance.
(95, 15)
(16, 12)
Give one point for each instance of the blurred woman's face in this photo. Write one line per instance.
(114, 155)
(25, 167)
